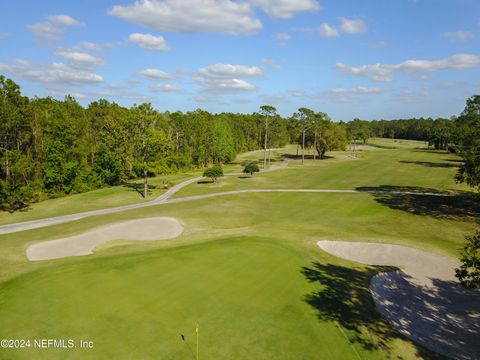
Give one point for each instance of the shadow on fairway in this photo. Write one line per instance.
(461, 205)
(344, 297)
(139, 188)
(430, 164)
(307, 157)
(454, 160)
(381, 146)
(431, 151)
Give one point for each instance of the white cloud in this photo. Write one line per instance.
(219, 78)
(328, 31)
(348, 95)
(272, 62)
(46, 30)
(165, 88)
(408, 96)
(283, 37)
(149, 41)
(188, 16)
(386, 72)
(96, 47)
(285, 9)
(79, 59)
(458, 35)
(53, 29)
(52, 75)
(64, 20)
(298, 93)
(275, 99)
(155, 74)
(352, 26)
(357, 90)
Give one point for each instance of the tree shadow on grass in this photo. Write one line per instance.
(438, 204)
(382, 146)
(344, 297)
(307, 157)
(454, 160)
(205, 182)
(430, 164)
(139, 188)
(431, 151)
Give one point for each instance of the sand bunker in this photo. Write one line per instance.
(159, 228)
(423, 300)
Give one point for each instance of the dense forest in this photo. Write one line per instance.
(50, 148)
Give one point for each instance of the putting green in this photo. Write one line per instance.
(248, 295)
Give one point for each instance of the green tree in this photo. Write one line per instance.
(151, 144)
(267, 112)
(223, 147)
(468, 130)
(251, 168)
(213, 172)
(58, 171)
(469, 272)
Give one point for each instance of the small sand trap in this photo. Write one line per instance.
(423, 301)
(159, 228)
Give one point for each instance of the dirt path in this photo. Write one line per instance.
(160, 228)
(423, 300)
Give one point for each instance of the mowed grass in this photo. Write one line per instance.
(370, 167)
(247, 269)
(94, 200)
(250, 296)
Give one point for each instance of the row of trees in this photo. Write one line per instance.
(49, 148)
(439, 133)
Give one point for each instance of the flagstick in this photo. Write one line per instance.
(197, 340)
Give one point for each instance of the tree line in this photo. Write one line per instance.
(49, 148)
(440, 133)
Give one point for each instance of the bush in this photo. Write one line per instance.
(251, 168)
(213, 172)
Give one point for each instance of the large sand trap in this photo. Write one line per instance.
(159, 228)
(423, 301)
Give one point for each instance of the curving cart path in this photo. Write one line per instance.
(165, 198)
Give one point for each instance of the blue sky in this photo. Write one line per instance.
(370, 59)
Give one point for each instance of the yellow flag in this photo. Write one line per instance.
(196, 329)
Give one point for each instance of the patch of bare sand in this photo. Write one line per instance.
(157, 228)
(423, 300)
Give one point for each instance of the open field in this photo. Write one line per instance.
(246, 267)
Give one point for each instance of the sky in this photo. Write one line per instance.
(371, 59)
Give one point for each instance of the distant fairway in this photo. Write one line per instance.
(246, 268)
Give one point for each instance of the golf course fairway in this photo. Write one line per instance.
(246, 268)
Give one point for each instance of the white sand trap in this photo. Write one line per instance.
(423, 301)
(420, 265)
(159, 228)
